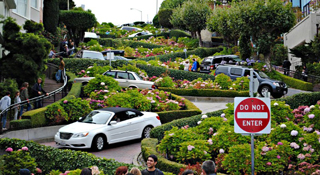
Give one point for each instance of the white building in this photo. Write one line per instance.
(27, 10)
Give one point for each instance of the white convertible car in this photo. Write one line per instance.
(107, 126)
(126, 79)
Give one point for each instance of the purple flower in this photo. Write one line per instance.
(311, 116)
(306, 110)
(223, 115)
(25, 148)
(9, 149)
(225, 119)
(65, 101)
(301, 156)
(280, 143)
(190, 147)
(278, 157)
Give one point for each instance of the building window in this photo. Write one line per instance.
(34, 3)
(21, 8)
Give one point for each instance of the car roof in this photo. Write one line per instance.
(231, 65)
(90, 51)
(118, 110)
(219, 56)
(119, 71)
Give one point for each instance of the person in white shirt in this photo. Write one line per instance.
(17, 107)
(186, 65)
(4, 104)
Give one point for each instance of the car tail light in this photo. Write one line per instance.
(214, 74)
(154, 87)
(158, 117)
(211, 67)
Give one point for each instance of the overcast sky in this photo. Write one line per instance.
(118, 11)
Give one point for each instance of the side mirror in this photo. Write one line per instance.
(113, 122)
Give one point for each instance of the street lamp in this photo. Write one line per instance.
(137, 10)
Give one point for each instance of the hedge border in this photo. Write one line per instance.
(206, 92)
(296, 83)
(297, 100)
(168, 116)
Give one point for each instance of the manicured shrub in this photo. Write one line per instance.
(20, 124)
(206, 92)
(213, 123)
(223, 80)
(300, 99)
(241, 84)
(16, 160)
(178, 34)
(75, 108)
(56, 114)
(164, 82)
(194, 151)
(101, 82)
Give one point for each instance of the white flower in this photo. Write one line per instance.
(283, 125)
(171, 134)
(221, 151)
(102, 84)
(88, 72)
(312, 106)
(231, 88)
(204, 116)
(223, 115)
(275, 104)
(199, 122)
(294, 133)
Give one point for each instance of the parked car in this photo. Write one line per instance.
(89, 54)
(275, 87)
(128, 28)
(210, 63)
(140, 34)
(90, 35)
(116, 52)
(107, 126)
(118, 58)
(126, 79)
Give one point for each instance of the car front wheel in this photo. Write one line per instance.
(264, 90)
(98, 143)
(146, 132)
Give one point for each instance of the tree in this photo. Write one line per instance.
(245, 47)
(27, 52)
(77, 22)
(63, 5)
(155, 21)
(51, 15)
(33, 27)
(194, 16)
(164, 18)
(171, 4)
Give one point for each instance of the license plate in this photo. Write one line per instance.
(62, 143)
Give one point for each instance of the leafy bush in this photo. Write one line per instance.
(56, 114)
(8, 85)
(129, 99)
(20, 124)
(241, 84)
(223, 80)
(164, 82)
(284, 132)
(209, 126)
(75, 108)
(281, 112)
(194, 151)
(206, 92)
(300, 99)
(16, 160)
(101, 82)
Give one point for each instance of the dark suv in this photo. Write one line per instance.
(210, 63)
(275, 87)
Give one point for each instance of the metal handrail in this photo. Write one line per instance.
(295, 74)
(16, 105)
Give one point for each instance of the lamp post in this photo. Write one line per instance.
(137, 10)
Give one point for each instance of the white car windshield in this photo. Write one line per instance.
(93, 55)
(96, 117)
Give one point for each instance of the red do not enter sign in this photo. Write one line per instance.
(252, 115)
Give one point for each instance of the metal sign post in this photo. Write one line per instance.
(185, 52)
(110, 56)
(252, 135)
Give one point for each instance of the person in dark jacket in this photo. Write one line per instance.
(38, 91)
(304, 73)
(286, 67)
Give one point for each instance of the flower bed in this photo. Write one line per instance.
(291, 147)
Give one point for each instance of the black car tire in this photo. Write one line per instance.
(146, 132)
(98, 143)
(264, 89)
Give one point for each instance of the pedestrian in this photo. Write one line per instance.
(208, 168)
(60, 70)
(86, 171)
(5, 102)
(38, 91)
(52, 54)
(135, 171)
(186, 65)
(151, 166)
(122, 170)
(17, 107)
(24, 96)
(188, 172)
(304, 73)
(286, 67)
(194, 65)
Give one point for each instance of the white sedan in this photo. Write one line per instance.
(107, 126)
(126, 79)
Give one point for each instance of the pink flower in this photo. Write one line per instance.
(308, 155)
(210, 142)
(38, 170)
(221, 151)
(268, 163)
(311, 150)
(265, 149)
(210, 129)
(9, 149)
(301, 156)
(225, 119)
(311, 116)
(25, 148)
(190, 147)
(290, 166)
(280, 143)
(65, 101)
(306, 110)
(278, 157)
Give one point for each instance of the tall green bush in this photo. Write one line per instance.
(102, 82)
(51, 15)
(164, 18)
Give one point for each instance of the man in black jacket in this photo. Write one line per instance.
(38, 91)
(286, 67)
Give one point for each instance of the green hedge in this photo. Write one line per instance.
(108, 42)
(49, 158)
(301, 99)
(20, 124)
(168, 116)
(200, 51)
(158, 132)
(177, 74)
(296, 83)
(178, 33)
(148, 147)
(206, 92)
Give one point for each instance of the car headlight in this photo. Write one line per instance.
(276, 84)
(83, 134)
(58, 134)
